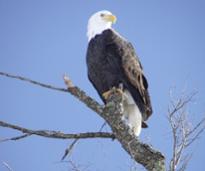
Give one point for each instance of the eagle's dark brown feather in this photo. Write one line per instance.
(134, 72)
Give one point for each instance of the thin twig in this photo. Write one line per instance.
(186, 160)
(197, 126)
(191, 140)
(7, 166)
(69, 149)
(74, 166)
(16, 138)
(103, 125)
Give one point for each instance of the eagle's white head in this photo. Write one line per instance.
(99, 22)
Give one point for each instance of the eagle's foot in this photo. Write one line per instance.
(107, 94)
(132, 129)
(119, 90)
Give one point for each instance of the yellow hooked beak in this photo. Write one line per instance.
(110, 18)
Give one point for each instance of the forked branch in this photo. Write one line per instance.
(183, 133)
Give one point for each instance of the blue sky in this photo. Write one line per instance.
(43, 39)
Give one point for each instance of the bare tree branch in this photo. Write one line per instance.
(75, 91)
(57, 134)
(142, 153)
(32, 82)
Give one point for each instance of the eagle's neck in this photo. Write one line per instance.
(97, 28)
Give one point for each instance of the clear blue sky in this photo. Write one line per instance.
(43, 39)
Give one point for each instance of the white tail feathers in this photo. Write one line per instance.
(132, 114)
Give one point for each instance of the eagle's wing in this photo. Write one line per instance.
(122, 54)
(134, 73)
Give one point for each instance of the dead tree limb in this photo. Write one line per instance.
(183, 133)
(54, 134)
(144, 154)
(7, 166)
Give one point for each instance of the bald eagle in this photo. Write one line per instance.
(112, 61)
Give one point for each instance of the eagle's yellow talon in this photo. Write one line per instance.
(106, 94)
(119, 90)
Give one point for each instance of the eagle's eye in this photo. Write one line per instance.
(102, 15)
